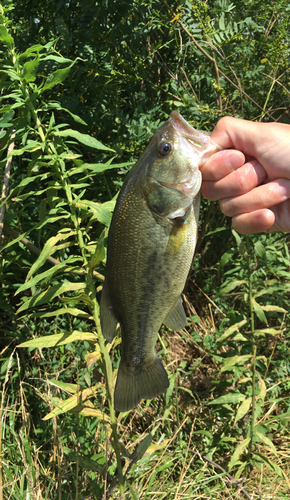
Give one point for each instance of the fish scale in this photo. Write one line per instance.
(150, 248)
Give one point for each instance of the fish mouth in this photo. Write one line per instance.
(187, 187)
(199, 139)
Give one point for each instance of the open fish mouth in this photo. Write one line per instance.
(199, 139)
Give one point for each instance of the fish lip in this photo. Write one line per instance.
(186, 187)
(198, 138)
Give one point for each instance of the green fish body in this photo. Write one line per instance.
(150, 248)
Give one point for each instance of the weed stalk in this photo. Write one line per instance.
(254, 347)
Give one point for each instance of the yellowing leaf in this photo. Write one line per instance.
(227, 399)
(73, 401)
(234, 360)
(238, 452)
(175, 17)
(59, 339)
(264, 60)
(243, 409)
(227, 333)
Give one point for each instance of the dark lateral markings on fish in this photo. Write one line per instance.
(150, 249)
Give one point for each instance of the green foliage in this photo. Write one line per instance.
(84, 83)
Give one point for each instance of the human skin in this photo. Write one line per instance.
(251, 175)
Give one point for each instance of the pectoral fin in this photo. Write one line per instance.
(176, 318)
(167, 201)
(107, 317)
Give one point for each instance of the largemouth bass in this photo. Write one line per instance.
(150, 248)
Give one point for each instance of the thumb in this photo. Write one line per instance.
(244, 135)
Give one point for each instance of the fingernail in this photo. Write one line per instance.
(234, 160)
(284, 191)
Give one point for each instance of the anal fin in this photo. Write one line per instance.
(176, 318)
(107, 317)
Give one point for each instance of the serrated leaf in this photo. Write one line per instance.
(231, 398)
(230, 286)
(5, 37)
(238, 452)
(85, 139)
(243, 409)
(235, 360)
(266, 441)
(59, 339)
(259, 311)
(231, 330)
(73, 401)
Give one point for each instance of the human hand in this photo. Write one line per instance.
(251, 176)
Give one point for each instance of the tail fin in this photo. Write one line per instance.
(134, 383)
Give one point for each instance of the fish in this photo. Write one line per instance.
(150, 248)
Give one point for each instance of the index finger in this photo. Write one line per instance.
(222, 164)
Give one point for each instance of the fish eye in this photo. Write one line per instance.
(164, 148)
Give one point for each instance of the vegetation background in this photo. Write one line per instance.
(84, 85)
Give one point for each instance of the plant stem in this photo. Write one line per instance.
(254, 349)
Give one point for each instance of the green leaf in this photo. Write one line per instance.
(63, 310)
(32, 50)
(71, 388)
(99, 211)
(231, 398)
(5, 37)
(260, 250)
(47, 275)
(235, 360)
(230, 286)
(75, 400)
(99, 254)
(57, 77)
(142, 448)
(59, 339)
(238, 452)
(85, 139)
(266, 441)
(273, 308)
(29, 70)
(47, 250)
(268, 331)
(272, 466)
(243, 409)
(259, 311)
(48, 295)
(231, 330)
(85, 462)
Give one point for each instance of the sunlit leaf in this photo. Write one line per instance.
(231, 398)
(85, 139)
(227, 333)
(238, 452)
(59, 339)
(243, 409)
